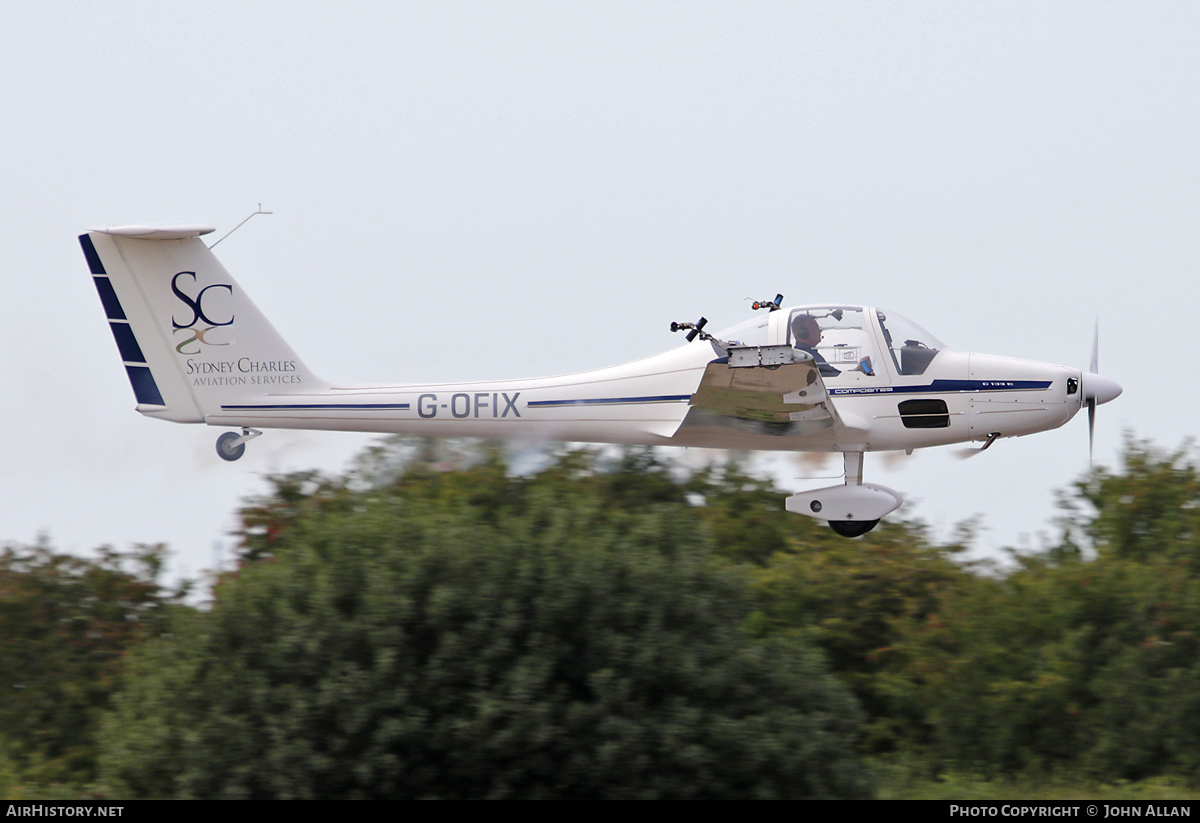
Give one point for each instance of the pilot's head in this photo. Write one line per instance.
(805, 330)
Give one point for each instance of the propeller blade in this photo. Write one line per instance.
(1096, 390)
(1091, 404)
(1094, 365)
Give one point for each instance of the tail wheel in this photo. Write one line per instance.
(225, 448)
(852, 528)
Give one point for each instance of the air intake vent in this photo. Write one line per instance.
(925, 414)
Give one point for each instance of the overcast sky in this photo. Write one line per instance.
(487, 190)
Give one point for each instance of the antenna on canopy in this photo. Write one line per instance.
(239, 225)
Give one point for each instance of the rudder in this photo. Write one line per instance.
(189, 337)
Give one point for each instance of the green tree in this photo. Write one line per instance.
(858, 601)
(66, 623)
(416, 640)
(1086, 656)
(1150, 510)
(745, 514)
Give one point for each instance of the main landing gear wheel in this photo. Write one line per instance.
(227, 450)
(852, 528)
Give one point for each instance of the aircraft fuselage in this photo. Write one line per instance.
(646, 401)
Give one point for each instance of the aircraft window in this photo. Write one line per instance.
(836, 336)
(752, 332)
(912, 348)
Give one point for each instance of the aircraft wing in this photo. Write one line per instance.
(762, 390)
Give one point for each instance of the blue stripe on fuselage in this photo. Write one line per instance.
(611, 401)
(936, 387)
(315, 406)
(949, 387)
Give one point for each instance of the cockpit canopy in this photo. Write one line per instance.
(843, 339)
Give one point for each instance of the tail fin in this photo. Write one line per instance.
(189, 337)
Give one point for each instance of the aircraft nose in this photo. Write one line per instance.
(1099, 388)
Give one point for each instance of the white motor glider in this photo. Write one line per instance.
(847, 379)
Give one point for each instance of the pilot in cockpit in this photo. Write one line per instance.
(806, 334)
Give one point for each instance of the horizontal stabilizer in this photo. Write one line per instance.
(163, 232)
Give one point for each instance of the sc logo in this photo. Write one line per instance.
(196, 304)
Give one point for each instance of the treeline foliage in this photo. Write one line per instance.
(65, 626)
(1081, 660)
(433, 624)
(1087, 656)
(469, 634)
